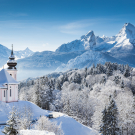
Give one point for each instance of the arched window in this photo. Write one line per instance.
(11, 74)
(4, 93)
(10, 92)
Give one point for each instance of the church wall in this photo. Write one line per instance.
(14, 93)
(2, 98)
(13, 73)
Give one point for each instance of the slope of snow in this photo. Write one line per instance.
(5, 108)
(72, 127)
(68, 124)
(35, 132)
(46, 60)
(81, 61)
(86, 42)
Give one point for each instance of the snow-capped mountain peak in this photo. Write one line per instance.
(86, 42)
(126, 34)
(90, 33)
(89, 40)
(23, 53)
(27, 49)
(125, 39)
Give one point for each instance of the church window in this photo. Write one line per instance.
(10, 92)
(4, 93)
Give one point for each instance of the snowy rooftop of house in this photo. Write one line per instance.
(6, 78)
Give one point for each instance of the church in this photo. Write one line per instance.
(8, 81)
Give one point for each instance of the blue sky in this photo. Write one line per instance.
(46, 24)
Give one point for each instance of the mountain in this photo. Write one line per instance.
(89, 58)
(125, 40)
(23, 53)
(85, 43)
(79, 53)
(5, 53)
(119, 48)
(46, 60)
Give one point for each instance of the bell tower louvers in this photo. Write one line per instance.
(12, 65)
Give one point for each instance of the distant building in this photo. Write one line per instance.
(8, 81)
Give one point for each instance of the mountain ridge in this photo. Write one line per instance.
(85, 51)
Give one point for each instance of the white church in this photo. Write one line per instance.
(8, 81)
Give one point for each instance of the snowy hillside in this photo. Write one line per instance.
(69, 125)
(47, 60)
(35, 132)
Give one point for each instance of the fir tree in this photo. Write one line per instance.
(127, 71)
(104, 126)
(11, 128)
(122, 84)
(109, 124)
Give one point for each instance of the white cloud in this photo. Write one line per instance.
(75, 27)
(80, 26)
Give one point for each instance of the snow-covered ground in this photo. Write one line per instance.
(68, 124)
(35, 132)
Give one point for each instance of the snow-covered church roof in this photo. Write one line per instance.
(6, 78)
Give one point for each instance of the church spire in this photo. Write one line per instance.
(12, 63)
(12, 51)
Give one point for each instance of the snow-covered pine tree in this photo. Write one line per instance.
(86, 72)
(127, 71)
(122, 84)
(38, 99)
(109, 70)
(11, 128)
(104, 125)
(109, 124)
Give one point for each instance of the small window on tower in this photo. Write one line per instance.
(11, 74)
(4, 93)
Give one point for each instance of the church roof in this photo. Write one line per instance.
(6, 78)
(2, 87)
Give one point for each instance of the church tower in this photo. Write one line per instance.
(8, 83)
(12, 65)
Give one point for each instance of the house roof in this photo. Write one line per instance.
(6, 78)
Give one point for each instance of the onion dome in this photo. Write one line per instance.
(11, 62)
